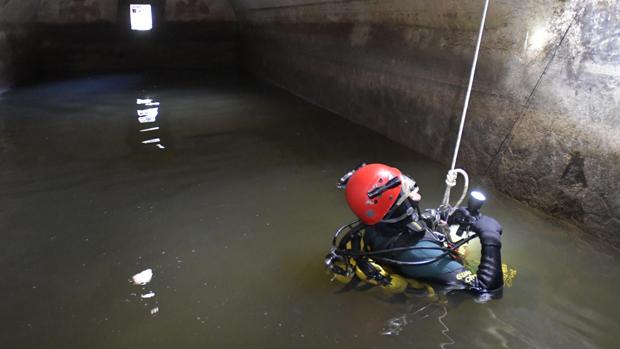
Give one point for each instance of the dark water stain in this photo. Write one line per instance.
(574, 173)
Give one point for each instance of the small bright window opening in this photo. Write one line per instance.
(141, 17)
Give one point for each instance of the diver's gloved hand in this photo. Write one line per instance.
(460, 216)
(488, 229)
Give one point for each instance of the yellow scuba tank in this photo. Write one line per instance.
(344, 268)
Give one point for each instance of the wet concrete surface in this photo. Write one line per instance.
(234, 216)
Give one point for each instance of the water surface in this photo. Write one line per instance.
(228, 194)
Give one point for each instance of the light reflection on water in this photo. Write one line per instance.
(148, 110)
(234, 218)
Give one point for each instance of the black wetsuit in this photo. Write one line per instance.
(447, 271)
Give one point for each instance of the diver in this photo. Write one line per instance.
(394, 241)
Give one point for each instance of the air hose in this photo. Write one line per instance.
(447, 251)
(338, 253)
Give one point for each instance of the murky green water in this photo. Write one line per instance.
(229, 196)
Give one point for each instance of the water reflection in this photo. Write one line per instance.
(147, 114)
(502, 331)
(415, 313)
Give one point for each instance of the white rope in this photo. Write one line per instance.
(452, 174)
(471, 82)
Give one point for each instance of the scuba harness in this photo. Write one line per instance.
(350, 257)
(348, 262)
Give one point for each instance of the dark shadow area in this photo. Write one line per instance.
(69, 50)
(85, 41)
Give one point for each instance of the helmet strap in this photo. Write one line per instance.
(408, 188)
(408, 213)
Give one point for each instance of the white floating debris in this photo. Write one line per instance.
(160, 146)
(143, 277)
(151, 294)
(154, 310)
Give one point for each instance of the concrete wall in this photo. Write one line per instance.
(72, 11)
(13, 15)
(5, 62)
(564, 153)
(200, 10)
(544, 118)
(51, 38)
(85, 11)
(76, 11)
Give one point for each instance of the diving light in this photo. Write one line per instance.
(476, 200)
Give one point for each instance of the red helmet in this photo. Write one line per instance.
(372, 190)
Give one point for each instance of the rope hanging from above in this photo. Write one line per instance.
(453, 173)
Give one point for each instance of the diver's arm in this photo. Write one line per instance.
(490, 278)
